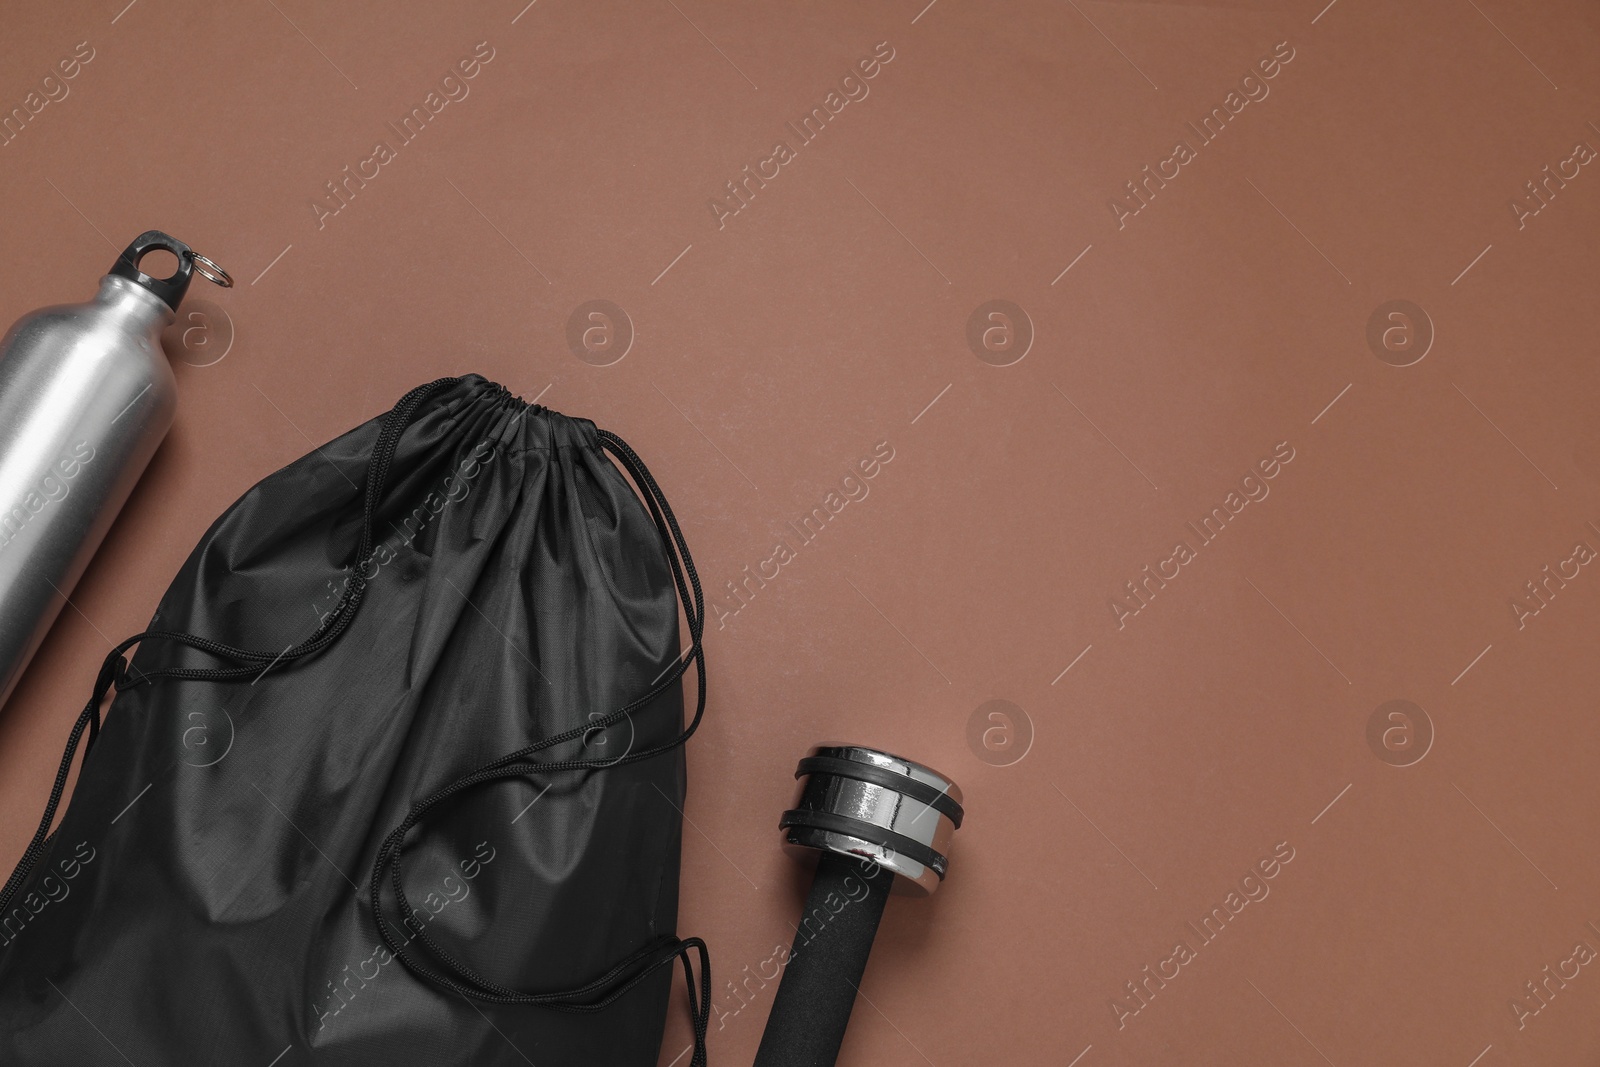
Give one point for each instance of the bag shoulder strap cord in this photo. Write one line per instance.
(453, 974)
(114, 669)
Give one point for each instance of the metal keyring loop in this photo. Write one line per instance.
(210, 271)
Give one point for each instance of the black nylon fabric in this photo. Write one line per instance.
(205, 898)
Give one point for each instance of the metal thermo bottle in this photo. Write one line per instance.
(86, 397)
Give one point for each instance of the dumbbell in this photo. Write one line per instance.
(881, 824)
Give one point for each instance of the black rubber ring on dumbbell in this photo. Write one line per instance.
(869, 832)
(917, 790)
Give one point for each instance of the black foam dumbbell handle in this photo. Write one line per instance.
(824, 969)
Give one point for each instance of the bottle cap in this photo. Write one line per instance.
(170, 290)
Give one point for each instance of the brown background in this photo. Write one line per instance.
(826, 317)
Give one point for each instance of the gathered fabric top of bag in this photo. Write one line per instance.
(416, 697)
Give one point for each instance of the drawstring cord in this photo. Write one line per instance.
(593, 995)
(114, 669)
(455, 975)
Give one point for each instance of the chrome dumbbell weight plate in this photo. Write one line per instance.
(859, 801)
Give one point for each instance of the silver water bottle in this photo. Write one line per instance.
(86, 396)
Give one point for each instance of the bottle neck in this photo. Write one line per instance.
(138, 307)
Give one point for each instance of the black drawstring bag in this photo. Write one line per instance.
(394, 777)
